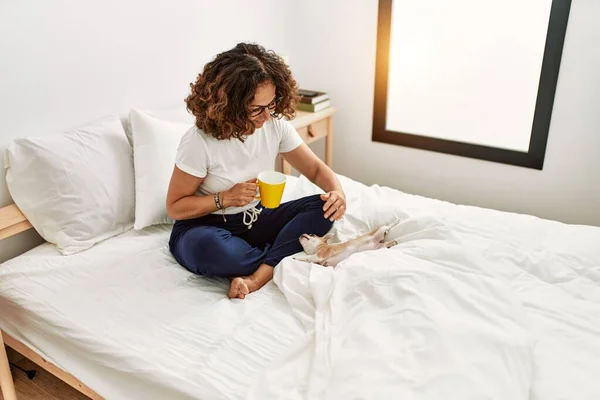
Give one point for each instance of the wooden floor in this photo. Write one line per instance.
(43, 387)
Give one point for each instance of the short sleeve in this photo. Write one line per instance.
(289, 137)
(192, 154)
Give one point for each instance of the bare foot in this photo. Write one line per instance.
(241, 286)
(238, 288)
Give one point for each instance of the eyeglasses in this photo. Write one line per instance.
(255, 112)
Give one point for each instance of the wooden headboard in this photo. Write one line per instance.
(12, 221)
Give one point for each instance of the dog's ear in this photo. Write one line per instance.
(327, 237)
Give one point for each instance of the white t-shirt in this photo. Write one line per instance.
(223, 163)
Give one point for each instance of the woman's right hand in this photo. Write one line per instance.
(240, 194)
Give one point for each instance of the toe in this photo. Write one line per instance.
(244, 289)
(238, 289)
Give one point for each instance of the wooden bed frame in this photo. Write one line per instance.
(12, 222)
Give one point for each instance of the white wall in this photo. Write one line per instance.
(64, 63)
(336, 53)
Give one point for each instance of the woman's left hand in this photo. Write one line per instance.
(335, 205)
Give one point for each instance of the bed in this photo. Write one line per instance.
(472, 303)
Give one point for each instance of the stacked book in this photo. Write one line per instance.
(312, 100)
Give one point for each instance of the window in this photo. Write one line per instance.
(469, 77)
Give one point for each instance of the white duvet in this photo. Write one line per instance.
(472, 304)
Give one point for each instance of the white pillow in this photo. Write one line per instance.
(177, 114)
(76, 188)
(155, 143)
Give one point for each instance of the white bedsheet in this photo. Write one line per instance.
(473, 303)
(403, 323)
(131, 323)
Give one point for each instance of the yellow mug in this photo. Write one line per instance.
(270, 188)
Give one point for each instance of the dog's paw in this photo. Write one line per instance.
(391, 244)
(308, 259)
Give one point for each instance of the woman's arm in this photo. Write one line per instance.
(312, 167)
(183, 203)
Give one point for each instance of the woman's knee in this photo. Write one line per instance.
(314, 202)
(212, 252)
(199, 248)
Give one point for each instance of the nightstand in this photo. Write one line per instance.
(313, 126)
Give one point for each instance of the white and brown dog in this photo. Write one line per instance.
(329, 255)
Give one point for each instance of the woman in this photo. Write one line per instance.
(220, 229)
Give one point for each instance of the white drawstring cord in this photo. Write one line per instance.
(252, 213)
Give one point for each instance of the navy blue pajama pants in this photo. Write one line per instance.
(212, 247)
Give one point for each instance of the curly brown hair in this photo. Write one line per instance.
(220, 97)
